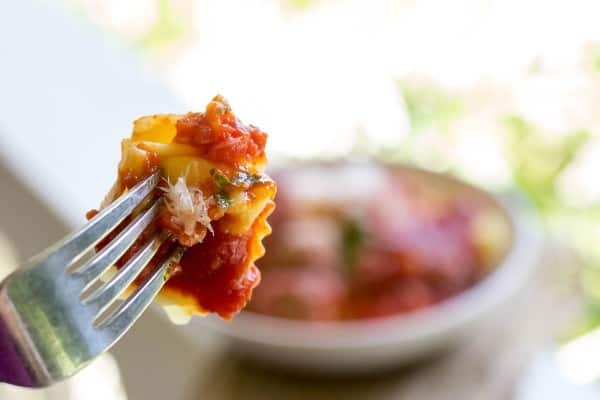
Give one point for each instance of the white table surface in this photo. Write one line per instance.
(68, 94)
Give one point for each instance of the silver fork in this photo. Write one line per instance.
(53, 319)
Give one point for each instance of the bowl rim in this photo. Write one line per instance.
(447, 316)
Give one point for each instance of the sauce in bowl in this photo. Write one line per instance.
(360, 241)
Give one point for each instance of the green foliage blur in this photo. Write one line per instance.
(536, 160)
(166, 29)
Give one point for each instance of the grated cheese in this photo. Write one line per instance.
(187, 206)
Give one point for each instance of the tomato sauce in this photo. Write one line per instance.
(215, 273)
(220, 136)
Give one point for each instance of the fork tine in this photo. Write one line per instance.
(70, 248)
(105, 258)
(134, 306)
(109, 291)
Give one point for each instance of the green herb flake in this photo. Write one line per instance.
(242, 179)
(220, 179)
(222, 198)
(353, 240)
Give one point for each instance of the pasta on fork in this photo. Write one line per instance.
(215, 202)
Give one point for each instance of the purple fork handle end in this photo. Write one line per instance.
(12, 369)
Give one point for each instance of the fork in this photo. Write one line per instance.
(55, 320)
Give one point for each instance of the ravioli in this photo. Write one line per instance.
(215, 202)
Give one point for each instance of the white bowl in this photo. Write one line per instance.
(365, 345)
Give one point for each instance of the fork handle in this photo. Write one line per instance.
(12, 369)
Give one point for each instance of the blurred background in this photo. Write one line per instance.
(501, 94)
